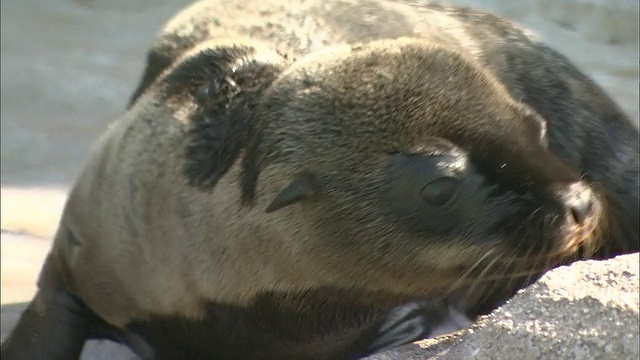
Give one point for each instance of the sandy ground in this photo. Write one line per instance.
(69, 66)
(21, 256)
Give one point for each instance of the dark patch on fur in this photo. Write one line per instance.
(251, 165)
(225, 83)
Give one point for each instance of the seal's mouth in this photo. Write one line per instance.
(489, 283)
(575, 234)
(561, 242)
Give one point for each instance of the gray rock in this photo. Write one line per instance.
(588, 310)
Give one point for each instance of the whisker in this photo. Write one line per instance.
(468, 272)
(483, 273)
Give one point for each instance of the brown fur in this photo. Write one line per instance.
(167, 226)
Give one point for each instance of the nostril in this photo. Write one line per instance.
(580, 204)
(580, 211)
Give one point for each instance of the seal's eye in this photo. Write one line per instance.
(439, 191)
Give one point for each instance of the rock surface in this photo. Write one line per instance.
(588, 310)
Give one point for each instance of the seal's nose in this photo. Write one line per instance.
(579, 201)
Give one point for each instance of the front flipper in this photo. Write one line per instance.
(57, 325)
(54, 326)
(416, 321)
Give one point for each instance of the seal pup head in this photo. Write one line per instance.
(419, 165)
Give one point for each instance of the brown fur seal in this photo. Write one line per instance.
(585, 128)
(250, 205)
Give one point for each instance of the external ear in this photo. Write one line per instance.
(302, 187)
(213, 89)
(535, 124)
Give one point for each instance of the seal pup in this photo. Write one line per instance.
(230, 213)
(304, 245)
(584, 126)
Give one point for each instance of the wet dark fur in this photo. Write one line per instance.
(238, 113)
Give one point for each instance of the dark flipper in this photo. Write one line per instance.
(57, 325)
(54, 326)
(416, 321)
